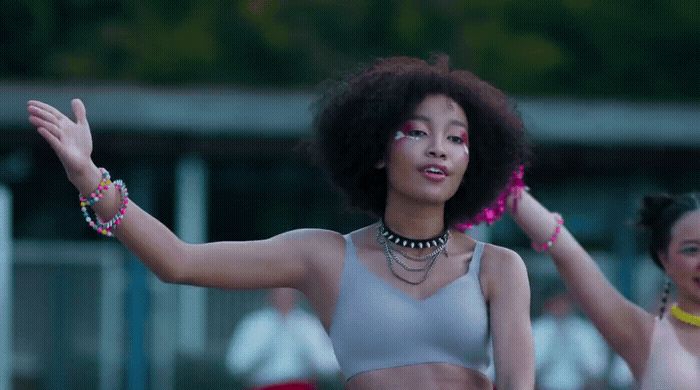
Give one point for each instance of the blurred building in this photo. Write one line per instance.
(227, 165)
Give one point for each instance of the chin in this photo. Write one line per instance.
(435, 199)
(434, 196)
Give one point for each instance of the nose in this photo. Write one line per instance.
(436, 148)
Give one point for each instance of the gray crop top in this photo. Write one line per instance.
(376, 325)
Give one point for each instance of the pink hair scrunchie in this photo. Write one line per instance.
(495, 211)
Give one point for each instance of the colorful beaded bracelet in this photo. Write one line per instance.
(106, 228)
(96, 195)
(542, 247)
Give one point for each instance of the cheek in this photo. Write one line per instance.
(403, 143)
(676, 266)
(465, 143)
(462, 154)
(399, 138)
(463, 162)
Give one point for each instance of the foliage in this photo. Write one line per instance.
(572, 47)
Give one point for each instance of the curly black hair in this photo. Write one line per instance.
(357, 116)
(659, 213)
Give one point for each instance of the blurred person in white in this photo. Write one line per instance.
(281, 346)
(619, 376)
(662, 350)
(569, 352)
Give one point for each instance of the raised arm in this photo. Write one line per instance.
(277, 262)
(625, 326)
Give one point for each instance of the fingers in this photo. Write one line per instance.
(40, 122)
(46, 107)
(42, 114)
(53, 141)
(79, 111)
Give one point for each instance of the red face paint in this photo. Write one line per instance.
(465, 138)
(465, 141)
(402, 134)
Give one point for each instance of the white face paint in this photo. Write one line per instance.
(404, 132)
(410, 132)
(434, 134)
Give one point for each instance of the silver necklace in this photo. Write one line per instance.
(419, 259)
(391, 258)
(423, 259)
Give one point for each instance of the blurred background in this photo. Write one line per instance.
(199, 107)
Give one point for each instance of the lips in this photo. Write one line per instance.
(434, 173)
(435, 169)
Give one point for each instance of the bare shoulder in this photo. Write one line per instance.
(318, 236)
(318, 245)
(503, 267)
(498, 261)
(313, 240)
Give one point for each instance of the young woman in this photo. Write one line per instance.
(663, 352)
(409, 302)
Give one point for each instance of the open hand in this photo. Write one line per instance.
(71, 141)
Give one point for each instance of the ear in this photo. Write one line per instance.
(663, 257)
(380, 164)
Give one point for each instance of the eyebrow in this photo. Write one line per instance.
(423, 118)
(691, 241)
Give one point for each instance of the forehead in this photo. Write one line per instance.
(688, 226)
(440, 105)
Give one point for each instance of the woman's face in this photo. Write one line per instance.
(682, 258)
(429, 153)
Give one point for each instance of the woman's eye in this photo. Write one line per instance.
(456, 139)
(415, 133)
(690, 250)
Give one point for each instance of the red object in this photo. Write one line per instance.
(299, 385)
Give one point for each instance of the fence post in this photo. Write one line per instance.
(5, 288)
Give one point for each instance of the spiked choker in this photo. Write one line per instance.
(406, 242)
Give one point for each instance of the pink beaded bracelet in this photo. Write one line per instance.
(106, 228)
(96, 195)
(543, 247)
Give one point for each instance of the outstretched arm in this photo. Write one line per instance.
(277, 262)
(625, 326)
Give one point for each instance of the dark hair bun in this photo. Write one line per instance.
(652, 208)
(657, 216)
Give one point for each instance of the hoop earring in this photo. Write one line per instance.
(664, 297)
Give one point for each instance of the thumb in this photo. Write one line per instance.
(79, 111)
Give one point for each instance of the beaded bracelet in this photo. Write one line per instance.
(96, 195)
(106, 228)
(543, 247)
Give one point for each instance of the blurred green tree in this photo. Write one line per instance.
(572, 47)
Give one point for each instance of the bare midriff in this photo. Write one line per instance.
(423, 376)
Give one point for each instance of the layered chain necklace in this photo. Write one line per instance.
(388, 238)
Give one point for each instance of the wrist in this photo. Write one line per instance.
(87, 179)
(543, 246)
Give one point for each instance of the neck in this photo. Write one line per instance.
(684, 317)
(688, 305)
(414, 220)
